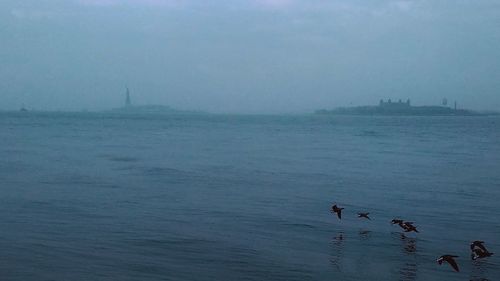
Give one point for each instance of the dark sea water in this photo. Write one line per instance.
(109, 197)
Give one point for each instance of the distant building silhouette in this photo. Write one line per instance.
(390, 104)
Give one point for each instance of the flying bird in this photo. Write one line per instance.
(449, 259)
(364, 215)
(407, 226)
(337, 210)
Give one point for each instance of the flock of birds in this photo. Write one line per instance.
(478, 249)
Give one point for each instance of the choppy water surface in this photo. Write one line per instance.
(107, 197)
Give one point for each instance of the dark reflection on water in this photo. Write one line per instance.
(408, 272)
(337, 251)
(409, 266)
(409, 245)
(364, 234)
(479, 270)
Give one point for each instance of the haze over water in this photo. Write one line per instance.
(226, 197)
(248, 56)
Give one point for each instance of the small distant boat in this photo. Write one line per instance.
(23, 109)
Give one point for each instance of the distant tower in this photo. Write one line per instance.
(455, 105)
(445, 102)
(381, 102)
(127, 99)
(408, 102)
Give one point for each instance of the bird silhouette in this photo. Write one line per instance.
(337, 210)
(364, 215)
(450, 259)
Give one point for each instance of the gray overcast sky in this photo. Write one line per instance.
(248, 56)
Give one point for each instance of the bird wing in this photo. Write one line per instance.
(339, 214)
(482, 247)
(453, 264)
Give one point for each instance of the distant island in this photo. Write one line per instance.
(400, 108)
